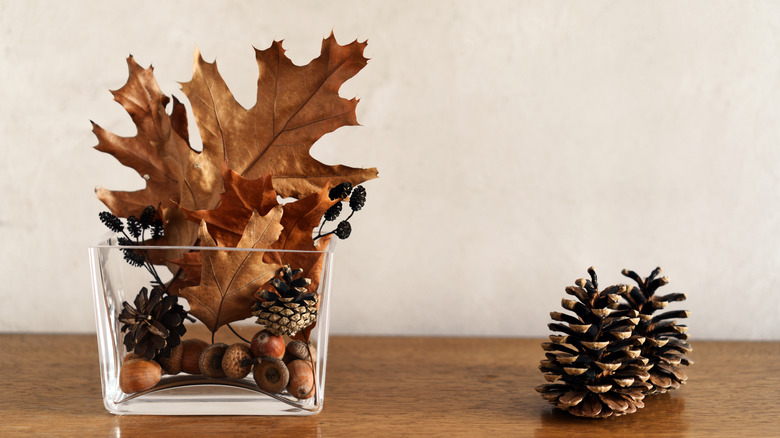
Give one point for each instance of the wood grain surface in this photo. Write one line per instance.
(397, 386)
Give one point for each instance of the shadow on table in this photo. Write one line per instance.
(141, 425)
(662, 415)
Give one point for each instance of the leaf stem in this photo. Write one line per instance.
(323, 235)
(237, 335)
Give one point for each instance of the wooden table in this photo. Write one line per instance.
(396, 386)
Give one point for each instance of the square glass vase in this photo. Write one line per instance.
(114, 281)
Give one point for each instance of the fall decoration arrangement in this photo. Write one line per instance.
(611, 351)
(238, 230)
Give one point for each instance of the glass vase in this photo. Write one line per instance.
(114, 282)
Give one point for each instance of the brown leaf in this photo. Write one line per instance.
(299, 220)
(175, 174)
(179, 120)
(296, 105)
(229, 279)
(157, 152)
(226, 223)
(189, 273)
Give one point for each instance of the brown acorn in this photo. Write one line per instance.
(210, 361)
(301, 383)
(190, 355)
(237, 361)
(138, 375)
(271, 374)
(130, 356)
(265, 343)
(296, 350)
(172, 363)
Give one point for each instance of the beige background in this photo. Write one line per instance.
(518, 143)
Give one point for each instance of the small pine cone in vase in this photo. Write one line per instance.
(666, 345)
(155, 324)
(291, 307)
(594, 367)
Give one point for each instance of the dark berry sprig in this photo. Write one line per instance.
(133, 233)
(357, 199)
(341, 191)
(156, 323)
(112, 222)
(333, 212)
(343, 230)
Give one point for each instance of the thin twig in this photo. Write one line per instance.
(237, 335)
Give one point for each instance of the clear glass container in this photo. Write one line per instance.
(114, 281)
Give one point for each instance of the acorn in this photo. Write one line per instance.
(190, 355)
(172, 363)
(271, 374)
(138, 375)
(210, 362)
(301, 384)
(296, 350)
(237, 361)
(130, 356)
(265, 343)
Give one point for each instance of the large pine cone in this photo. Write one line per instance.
(596, 362)
(155, 325)
(666, 345)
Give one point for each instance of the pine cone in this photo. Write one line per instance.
(155, 325)
(666, 346)
(291, 308)
(596, 361)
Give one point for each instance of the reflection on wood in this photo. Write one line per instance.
(399, 386)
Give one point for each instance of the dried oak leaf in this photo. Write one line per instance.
(296, 105)
(241, 197)
(298, 222)
(189, 272)
(230, 278)
(300, 218)
(176, 175)
(158, 152)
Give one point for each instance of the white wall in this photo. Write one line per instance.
(518, 143)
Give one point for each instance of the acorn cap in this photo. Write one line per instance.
(237, 361)
(271, 374)
(210, 362)
(296, 350)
